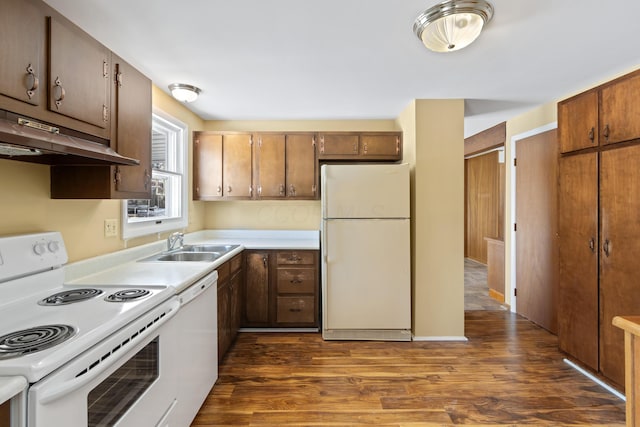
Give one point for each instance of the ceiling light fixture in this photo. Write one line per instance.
(452, 24)
(183, 92)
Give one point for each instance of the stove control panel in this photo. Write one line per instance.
(29, 253)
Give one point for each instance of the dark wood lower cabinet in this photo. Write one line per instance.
(230, 277)
(578, 252)
(599, 252)
(281, 289)
(619, 252)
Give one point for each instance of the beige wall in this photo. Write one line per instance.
(27, 206)
(433, 132)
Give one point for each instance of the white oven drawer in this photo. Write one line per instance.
(136, 361)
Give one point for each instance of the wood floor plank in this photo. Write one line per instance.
(510, 372)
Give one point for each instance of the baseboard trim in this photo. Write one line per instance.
(496, 295)
(441, 338)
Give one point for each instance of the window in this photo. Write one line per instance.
(167, 208)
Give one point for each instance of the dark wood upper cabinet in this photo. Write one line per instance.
(301, 166)
(338, 146)
(79, 75)
(578, 122)
(131, 137)
(360, 146)
(22, 49)
(236, 166)
(270, 166)
(607, 114)
(620, 110)
(286, 166)
(207, 166)
(131, 129)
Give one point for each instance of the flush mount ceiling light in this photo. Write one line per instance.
(183, 92)
(453, 24)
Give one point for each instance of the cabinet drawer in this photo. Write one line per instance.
(295, 258)
(296, 310)
(235, 263)
(223, 272)
(297, 280)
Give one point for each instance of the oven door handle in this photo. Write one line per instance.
(56, 392)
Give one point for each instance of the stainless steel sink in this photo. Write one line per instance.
(196, 253)
(190, 256)
(223, 249)
(181, 256)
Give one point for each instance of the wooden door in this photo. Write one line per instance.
(256, 289)
(536, 233)
(22, 44)
(207, 166)
(619, 252)
(482, 204)
(236, 166)
(619, 111)
(578, 243)
(301, 164)
(380, 147)
(79, 75)
(578, 122)
(132, 130)
(270, 166)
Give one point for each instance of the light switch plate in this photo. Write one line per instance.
(110, 227)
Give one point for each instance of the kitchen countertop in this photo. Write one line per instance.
(123, 268)
(11, 386)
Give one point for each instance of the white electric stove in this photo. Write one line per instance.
(81, 348)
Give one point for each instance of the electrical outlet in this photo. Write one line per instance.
(110, 227)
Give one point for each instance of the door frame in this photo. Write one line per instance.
(511, 283)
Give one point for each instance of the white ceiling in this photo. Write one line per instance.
(359, 59)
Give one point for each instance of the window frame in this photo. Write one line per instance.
(159, 224)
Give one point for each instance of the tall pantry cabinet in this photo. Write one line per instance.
(599, 223)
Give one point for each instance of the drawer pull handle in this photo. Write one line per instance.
(296, 281)
(295, 310)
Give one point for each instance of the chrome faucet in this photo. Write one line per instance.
(173, 239)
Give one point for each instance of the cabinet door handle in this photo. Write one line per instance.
(264, 261)
(606, 247)
(592, 134)
(58, 92)
(32, 81)
(365, 148)
(228, 189)
(219, 189)
(592, 244)
(295, 281)
(605, 132)
(147, 179)
(282, 189)
(292, 190)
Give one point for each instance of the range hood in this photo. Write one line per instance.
(24, 139)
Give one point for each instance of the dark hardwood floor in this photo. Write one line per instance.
(510, 372)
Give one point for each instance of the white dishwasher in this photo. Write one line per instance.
(197, 352)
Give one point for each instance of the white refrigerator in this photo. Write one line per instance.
(366, 256)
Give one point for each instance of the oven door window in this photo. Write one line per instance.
(111, 399)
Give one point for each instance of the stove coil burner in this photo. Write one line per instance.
(70, 296)
(31, 340)
(127, 295)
